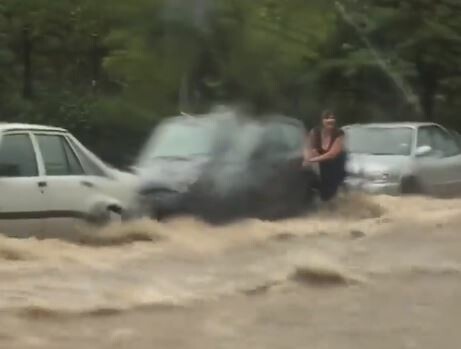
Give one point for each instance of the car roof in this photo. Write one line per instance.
(286, 120)
(193, 119)
(410, 124)
(9, 126)
(205, 117)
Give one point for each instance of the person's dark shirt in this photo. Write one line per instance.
(335, 167)
(317, 139)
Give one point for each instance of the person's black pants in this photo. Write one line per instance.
(330, 181)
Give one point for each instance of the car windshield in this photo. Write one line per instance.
(380, 140)
(284, 136)
(180, 140)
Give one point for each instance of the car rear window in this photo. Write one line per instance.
(58, 157)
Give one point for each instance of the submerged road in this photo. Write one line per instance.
(372, 273)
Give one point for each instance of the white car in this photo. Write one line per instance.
(49, 181)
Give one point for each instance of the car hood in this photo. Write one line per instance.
(175, 174)
(124, 176)
(367, 163)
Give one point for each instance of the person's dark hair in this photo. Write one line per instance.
(327, 113)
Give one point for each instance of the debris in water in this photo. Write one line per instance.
(284, 237)
(260, 289)
(13, 250)
(318, 277)
(12, 255)
(320, 271)
(357, 234)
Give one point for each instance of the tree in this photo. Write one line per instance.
(114, 68)
(217, 51)
(416, 44)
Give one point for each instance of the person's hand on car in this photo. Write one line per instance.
(307, 162)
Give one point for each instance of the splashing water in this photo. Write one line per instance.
(148, 263)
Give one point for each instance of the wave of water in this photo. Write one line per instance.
(147, 263)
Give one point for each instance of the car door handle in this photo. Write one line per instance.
(42, 184)
(87, 184)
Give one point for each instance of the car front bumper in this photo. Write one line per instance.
(371, 187)
(159, 204)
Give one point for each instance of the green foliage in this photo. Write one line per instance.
(414, 44)
(113, 68)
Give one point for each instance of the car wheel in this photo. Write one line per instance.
(114, 218)
(103, 215)
(411, 186)
(158, 215)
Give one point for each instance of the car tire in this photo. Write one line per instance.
(103, 215)
(158, 215)
(411, 186)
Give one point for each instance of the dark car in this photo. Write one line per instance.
(221, 168)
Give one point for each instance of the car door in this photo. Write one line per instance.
(68, 191)
(22, 190)
(291, 154)
(284, 148)
(452, 161)
(440, 170)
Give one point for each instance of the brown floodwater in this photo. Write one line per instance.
(377, 272)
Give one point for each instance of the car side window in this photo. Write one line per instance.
(91, 168)
(424, 137)
(440, 141)
(444, 142)
(58, 157)
(17, 156)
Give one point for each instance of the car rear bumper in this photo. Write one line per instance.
(369, 187)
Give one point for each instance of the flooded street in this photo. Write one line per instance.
(195, 112)
(376, 272)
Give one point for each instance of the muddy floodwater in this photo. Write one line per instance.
(366, 273)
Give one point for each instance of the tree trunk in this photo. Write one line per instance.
(429, 87)
(184, 95)
(27, 64)
(428, 100)
(95, 61)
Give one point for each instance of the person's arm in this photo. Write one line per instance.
(336, 149)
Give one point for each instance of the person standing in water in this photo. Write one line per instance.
(326, 147)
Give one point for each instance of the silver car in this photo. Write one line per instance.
(403, 158)
(221, 168)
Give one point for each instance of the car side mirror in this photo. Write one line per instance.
(423, 150)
